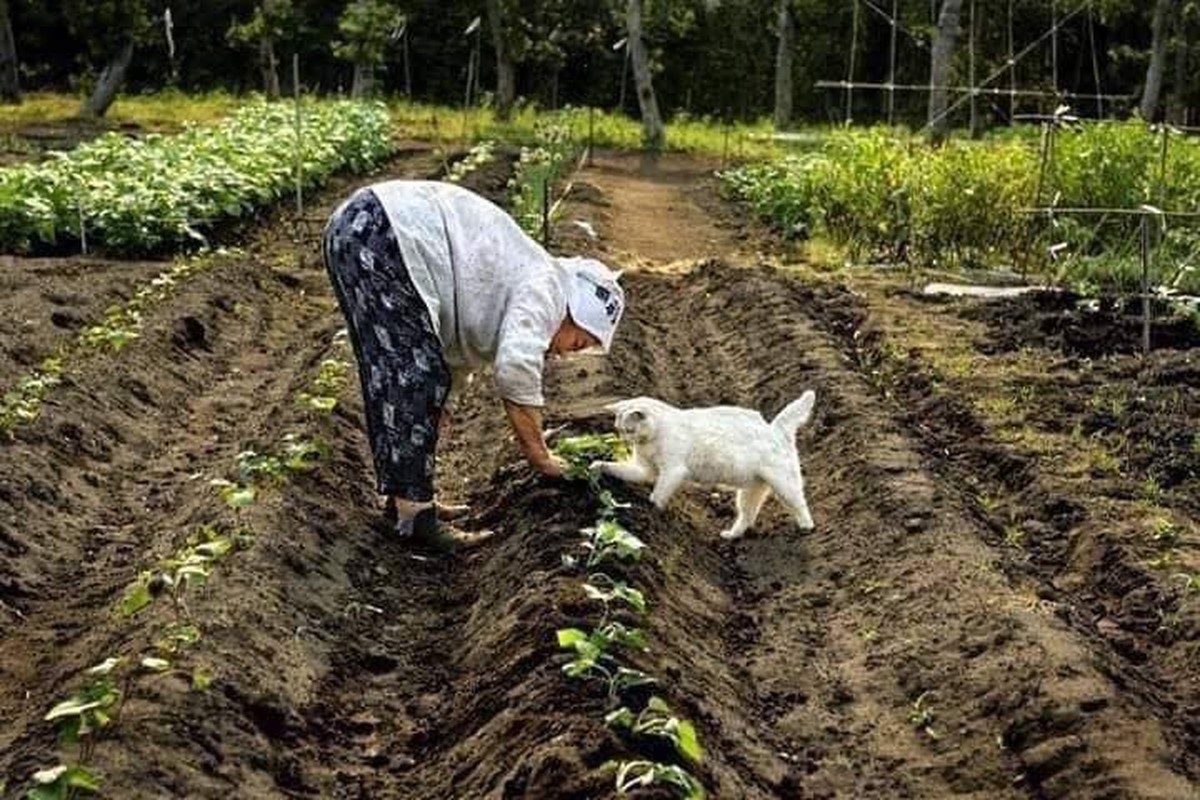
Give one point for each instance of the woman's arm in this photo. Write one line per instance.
(526, 423)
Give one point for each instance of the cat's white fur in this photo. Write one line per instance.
(720, 446)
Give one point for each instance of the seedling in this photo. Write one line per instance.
(89, 709)
(62, 782)
(921, 716)
(608, 590)
(235, 495)
(302, 455)
(1014, 536)
(328, 384)
(1163, 531)
(24, 402)
(633, 775)
(177, 636)
(581, 451)
(190, 567)
(657, 720)
(1151, 490)
(609, 541)
(599, 641)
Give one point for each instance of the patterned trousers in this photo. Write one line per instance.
(404, 375)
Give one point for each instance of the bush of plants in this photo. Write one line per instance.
(884, 195)
(160, 192)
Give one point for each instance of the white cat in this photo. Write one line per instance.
(720, 446)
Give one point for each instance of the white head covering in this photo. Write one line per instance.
(594, 298)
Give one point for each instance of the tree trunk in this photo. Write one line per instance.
(364, 81)
(784, 57)
(1178, 109)
(109, 83)
(270, 67)
(506, 73)
(1163, 10)
(653, 135)
(944, 43)
(10, 84)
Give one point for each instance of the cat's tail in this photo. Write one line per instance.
(796, 414)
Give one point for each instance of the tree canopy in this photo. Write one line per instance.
(707, 57)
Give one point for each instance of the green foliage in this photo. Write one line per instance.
(538, 168)
(189, 568)
(104, 26)
(162, 192)
(326, 387)
(609, 541)
(480, 155)
(63, 782)
(23, 403)
(367, 28)
(90, 709)
(580, 451)
(633, 775)
(657, 720)
(272, 19)
(886, 195)
(608, 590)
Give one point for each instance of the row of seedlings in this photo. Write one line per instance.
(121, 325)
(89, 714)
(642, 717)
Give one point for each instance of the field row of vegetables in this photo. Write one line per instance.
(667, 744)
(157, 193)
(884, 195)
(121, 325)
(93, 712)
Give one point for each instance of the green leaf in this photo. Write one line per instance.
(51, 775)
(688, 743)
(571, 638)
(136, 598)
(621, 718)
(215, 548)
(74, 707)
(201, 679)
(105, 667)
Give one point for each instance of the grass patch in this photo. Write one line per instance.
(160, 111)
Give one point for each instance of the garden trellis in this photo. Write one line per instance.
(974, 89)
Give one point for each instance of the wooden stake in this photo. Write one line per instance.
(299, 136)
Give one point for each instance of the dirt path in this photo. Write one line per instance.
(647, 213)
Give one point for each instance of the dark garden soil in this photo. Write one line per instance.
(903, 649)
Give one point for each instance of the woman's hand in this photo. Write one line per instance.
(551, 467)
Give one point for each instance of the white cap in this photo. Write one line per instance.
(594, 298)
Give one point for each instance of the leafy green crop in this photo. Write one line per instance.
(883, 195)
(537, 170)
(633, 775)
(161, 192)
(657, 720)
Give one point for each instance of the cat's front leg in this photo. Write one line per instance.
(668, 482)
(627, 471)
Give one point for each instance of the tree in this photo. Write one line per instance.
(506, 70)
(944, 43)
(654, 136)
(110, 29)
(10, 84)
(271, 22)
(367, 27)
(784, 56)
(1161, 27)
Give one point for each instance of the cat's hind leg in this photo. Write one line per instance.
(749, 502)
(789, 486)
